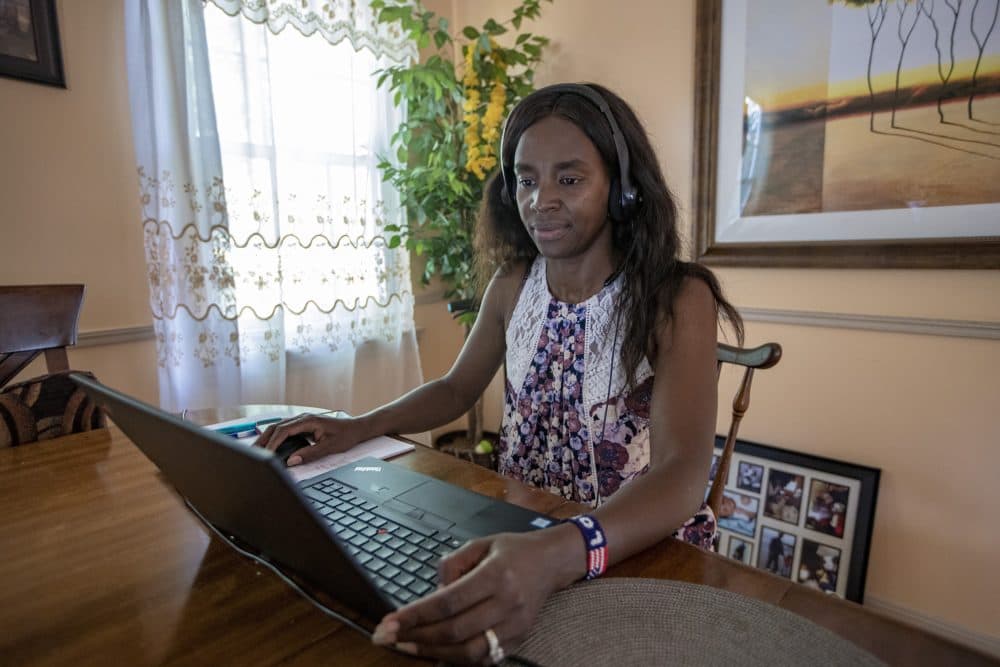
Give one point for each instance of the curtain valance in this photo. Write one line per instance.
(336, 20)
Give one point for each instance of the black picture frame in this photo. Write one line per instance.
(30, 49)
(833, 530)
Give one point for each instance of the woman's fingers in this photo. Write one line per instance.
(317, 451)
(469, 624)
(266, 436)
(329, 435)
(491, 590)
(478, 599)
(275, 434)
(474, 650)
(459, 562)
(443, 604)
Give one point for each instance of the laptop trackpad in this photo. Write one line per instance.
(445, 500)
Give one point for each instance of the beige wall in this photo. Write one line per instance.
(918, 407)
(921, 408)
(70, 193)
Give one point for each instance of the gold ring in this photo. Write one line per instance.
(496, 651)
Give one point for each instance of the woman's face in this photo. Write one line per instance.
(562, 190)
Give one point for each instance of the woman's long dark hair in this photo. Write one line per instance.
(647, 245)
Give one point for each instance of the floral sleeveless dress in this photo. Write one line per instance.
(568, 425)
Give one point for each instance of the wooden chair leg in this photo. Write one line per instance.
(56, 360)
(740, 405)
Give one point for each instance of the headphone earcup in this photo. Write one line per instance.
(622, 205)
(615, 201)
(628, 201)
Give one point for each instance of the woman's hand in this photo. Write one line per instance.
(330, 435)
(497, 583)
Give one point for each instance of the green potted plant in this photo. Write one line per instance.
(450, 140)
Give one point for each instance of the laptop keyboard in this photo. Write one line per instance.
(401, 555)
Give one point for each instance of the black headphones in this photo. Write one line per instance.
(623, 198)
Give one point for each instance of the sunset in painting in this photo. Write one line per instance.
(870, 104)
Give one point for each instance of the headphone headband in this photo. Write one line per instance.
(624, 198)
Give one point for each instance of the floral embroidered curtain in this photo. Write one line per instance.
(270, 279)
(335, 20)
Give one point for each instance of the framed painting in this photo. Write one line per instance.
(29, 42)
(848, 133)
(802, 517)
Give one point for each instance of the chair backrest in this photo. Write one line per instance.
(36, 319)
(765, 356)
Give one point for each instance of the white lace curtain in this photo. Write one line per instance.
(270, 279)
(335, 20)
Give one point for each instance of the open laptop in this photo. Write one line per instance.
(369, 533)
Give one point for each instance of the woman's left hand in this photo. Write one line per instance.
(499, 583)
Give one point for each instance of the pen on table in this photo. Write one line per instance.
(243, 430)
(246, 429)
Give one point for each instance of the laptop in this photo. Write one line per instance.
(369, 533)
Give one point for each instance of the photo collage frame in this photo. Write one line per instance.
(806, 518)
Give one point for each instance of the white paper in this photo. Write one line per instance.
(381, 447)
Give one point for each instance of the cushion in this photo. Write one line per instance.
(659, 622)
(46, 407)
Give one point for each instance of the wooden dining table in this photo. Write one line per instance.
(101, 563)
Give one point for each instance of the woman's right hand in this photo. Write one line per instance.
(329, 435)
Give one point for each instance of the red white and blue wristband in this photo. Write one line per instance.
(596, 543)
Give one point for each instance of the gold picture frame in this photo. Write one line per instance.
(761, 245)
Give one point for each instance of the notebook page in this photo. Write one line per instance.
(381, 447)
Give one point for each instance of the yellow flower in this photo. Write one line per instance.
(481, 166)
(471, 101)
(494, 113)
(482, 133)
(471, 129)
(470, 80)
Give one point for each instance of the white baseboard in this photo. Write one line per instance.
(988, 644)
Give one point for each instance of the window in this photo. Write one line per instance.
(301, 124)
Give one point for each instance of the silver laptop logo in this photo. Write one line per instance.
(367, 468)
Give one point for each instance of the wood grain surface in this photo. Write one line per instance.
(101, 563)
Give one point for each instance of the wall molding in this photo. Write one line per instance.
(985, 643)
(115, 336)
(138, 334)
(884, 323)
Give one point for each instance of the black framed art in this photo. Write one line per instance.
(802, 517)
(29, 42)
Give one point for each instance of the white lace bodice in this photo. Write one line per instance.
(602, 354)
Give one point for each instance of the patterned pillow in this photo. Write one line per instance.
(46, 407)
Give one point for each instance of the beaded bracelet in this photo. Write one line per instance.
(597, 545)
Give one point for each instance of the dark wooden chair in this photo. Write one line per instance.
(764, 356)
(36, 319)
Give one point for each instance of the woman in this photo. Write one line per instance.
(587, 303)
